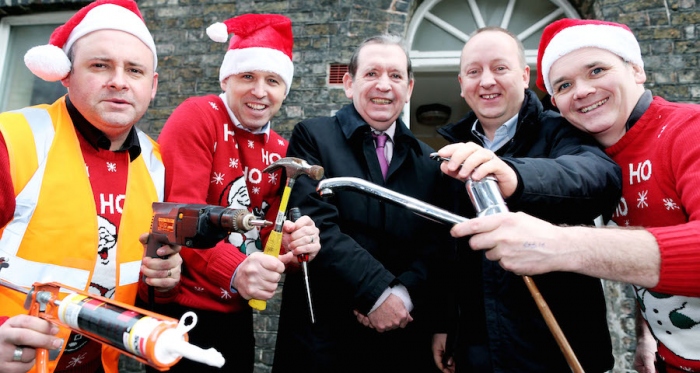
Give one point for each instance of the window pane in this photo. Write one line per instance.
(22, 88)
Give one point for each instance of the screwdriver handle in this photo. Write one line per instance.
(294, 214)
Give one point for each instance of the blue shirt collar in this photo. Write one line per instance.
(503, 134)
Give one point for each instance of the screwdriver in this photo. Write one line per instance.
(294, 214)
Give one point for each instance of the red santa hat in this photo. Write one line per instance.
(260, 42)
(567, 35)
(50, 62)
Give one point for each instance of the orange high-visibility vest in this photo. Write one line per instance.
(53, 235)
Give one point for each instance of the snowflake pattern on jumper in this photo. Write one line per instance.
(642, 200)
(272, 179)
(225, 294)
(218, 178)
(670, 205)
(77, 360)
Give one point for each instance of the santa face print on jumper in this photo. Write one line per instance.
(238, 198)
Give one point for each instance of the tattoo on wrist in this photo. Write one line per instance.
(532, 244)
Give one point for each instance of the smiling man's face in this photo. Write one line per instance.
(254, 97)
(382, 86)
(596, 91)
(493, 78)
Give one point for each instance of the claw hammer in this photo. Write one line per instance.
(294, 167)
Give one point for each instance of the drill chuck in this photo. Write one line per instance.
(236, 220)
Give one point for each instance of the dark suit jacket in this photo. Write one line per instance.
(367, 245)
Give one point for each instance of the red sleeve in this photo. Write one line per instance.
(680, 259)
(187, 144)
(7, 190)
(160, 296)
(678, 244)
(3, 319)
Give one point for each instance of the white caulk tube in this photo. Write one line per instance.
(158, 340)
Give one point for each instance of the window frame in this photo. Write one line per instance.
(6, 24)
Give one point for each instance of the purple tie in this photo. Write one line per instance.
(381, 140)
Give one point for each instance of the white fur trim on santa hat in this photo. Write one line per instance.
(611, 38)
(113, 17)
(257, 59)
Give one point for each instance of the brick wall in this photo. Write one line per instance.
(327, 31)
(324, 32)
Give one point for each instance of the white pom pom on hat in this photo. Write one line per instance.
(218, 32)
(260, 42)
(567, 35)
(50, 62)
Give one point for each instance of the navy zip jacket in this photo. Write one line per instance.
(565, 178)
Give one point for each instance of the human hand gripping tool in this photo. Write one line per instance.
(196, 226)
(294, 167)
(153, 339)
(486, 199)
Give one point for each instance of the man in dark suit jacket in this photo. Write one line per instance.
(369, 280)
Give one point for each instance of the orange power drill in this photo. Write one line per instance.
(197, 226)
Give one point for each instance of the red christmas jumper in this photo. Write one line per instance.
(660, 161)
(208, 160)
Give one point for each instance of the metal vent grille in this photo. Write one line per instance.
(336, 72)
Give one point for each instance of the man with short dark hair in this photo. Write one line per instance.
(369, 282)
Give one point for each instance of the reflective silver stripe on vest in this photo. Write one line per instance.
(129, 272)
(23, 272)
(154, 165)
(42, 128)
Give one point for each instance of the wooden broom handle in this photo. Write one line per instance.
(553, 326)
